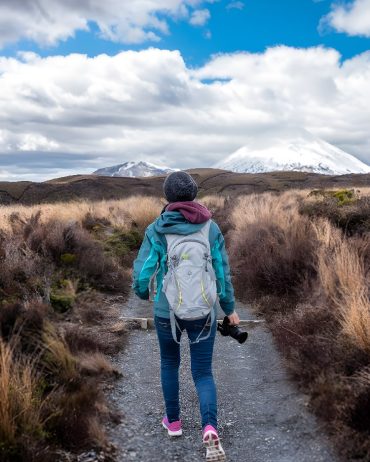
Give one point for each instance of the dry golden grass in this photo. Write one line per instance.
(213, 201)
(255, 208)
(271, 245)
(95, 364)
(55, 252)
(121, 213)
(363, 191)
(57, 357)
(342, 275)
(20, 403)
(267, 208)
(321, 320)
(364, 377)
(340, 267)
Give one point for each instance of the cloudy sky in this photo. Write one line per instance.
(183, 83)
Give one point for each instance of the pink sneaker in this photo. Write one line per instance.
(212, 443)
(173, 428)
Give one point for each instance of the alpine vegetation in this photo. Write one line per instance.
(303, 258)
(60, 264)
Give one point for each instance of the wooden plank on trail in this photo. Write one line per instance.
(148, 323)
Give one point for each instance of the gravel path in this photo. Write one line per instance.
(262, 417)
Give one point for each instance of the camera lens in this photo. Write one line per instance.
(242, 337)
(234, 331)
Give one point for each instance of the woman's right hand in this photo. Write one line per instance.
(234, 318)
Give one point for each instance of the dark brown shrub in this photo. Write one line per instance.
(74, 415)
(360, 413)
(54, 239)
(270, 259)
(9, 314)
(79, 339)
(89, 307)
(91, 222)
(46, 239)
(308, 338)
(21, 270)
(23, 324)
(352, 216)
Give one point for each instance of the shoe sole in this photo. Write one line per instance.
(172, 433)
(215, 452)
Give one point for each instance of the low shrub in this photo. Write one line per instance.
(272, 250)
(22, 424)
(49, 395)
(73, 421)
(63, 295)
(343, 279)
(219, 207)
(309, 276)
(344, 209)
(123, 245)
(68, 258)
(53, 263)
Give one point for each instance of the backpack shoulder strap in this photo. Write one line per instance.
(204, 232)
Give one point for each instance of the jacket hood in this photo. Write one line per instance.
(192, 211)
(175, 223)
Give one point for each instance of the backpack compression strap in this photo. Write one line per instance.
(174, 325)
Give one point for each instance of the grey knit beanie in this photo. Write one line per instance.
(179, 186)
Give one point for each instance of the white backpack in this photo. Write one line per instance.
(190, 282)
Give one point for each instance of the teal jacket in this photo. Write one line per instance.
(151, 259)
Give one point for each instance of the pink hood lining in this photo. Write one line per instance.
(192, 211)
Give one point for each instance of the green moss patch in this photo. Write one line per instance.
(120, 243)
(343, 208)
(342, 196)
(68, 258)
(62, 295)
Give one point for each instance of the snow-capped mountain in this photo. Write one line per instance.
(301, 151)
(133, 169)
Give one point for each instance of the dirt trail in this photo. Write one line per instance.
(262, 417)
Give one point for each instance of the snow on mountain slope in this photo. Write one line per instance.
(133, 169)
(299, 152)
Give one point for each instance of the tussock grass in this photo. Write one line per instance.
(55, 258)
(49, 396)
(309, 274)
(343, 277)
(213, 202)
(121, 213)
(95, 364)
(272, 246)
(347, 209)
(306, 272)
(21, 404)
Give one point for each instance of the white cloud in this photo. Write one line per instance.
(129, 21)
(73, 113)
(235, 5)
(36, 142)
(352, 18)
(199, 17)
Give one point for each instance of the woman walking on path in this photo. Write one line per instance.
(167, 261)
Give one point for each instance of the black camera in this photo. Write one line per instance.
(234, 331)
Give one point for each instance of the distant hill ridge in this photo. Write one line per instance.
(210, 181)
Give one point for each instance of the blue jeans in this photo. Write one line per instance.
(201, 367)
